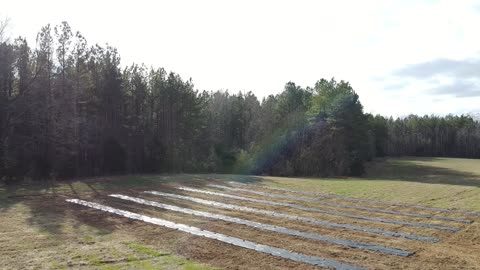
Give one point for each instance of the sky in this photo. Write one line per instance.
(401, 57)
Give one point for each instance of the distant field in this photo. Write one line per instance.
(38, 229)
(438, 182)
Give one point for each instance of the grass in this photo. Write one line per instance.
(50, 235)
(147, 250)
(51, 239)
(436, 182)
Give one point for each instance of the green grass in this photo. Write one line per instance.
(146, 250)
(52, 238)
(437, 182)
(440, 182)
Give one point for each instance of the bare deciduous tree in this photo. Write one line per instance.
(3, 30)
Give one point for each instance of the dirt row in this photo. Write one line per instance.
(350, 210)
(351, 201)
(340, 219)
(454, 251)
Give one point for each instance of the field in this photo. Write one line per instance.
(39, 229)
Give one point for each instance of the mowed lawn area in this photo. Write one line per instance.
(40, 230)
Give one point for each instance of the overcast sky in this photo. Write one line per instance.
(401, 57)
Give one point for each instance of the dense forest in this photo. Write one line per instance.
(68, 109)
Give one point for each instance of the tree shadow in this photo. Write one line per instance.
(222, 178)
(48, 210)
(14, 193)
(47, 215)
(411, 169)
(408, 170)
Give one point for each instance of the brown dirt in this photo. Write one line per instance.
(459, 250)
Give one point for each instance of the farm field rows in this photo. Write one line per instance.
(92, 238)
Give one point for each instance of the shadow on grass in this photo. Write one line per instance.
(412, 171)
(48, 210)
(221, 178)
(38, 210)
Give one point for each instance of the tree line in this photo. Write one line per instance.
(68, 109)
(434, 136)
